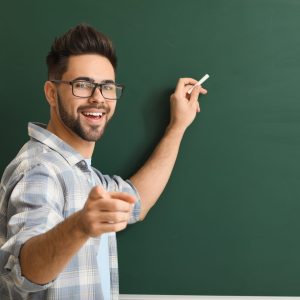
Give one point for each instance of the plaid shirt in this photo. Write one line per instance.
(47, 182)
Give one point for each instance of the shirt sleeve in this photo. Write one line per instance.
(136, 212)
(35, 205)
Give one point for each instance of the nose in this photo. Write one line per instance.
(97, 96)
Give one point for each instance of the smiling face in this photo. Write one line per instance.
(83, 118)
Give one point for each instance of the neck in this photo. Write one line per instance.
(85, 148)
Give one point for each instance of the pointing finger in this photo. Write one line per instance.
(123, 196)
(183, 82)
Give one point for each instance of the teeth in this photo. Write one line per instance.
(94, 114)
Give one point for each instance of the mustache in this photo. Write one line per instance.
(94, 106)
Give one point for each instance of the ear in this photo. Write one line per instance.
(50, 93)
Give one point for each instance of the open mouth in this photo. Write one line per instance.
(93, 115)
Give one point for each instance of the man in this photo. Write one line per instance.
(58, 214)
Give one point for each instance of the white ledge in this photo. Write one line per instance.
(183, 297)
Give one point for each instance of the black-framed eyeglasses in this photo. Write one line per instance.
(85, 88)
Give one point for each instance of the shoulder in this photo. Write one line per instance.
(33, 158)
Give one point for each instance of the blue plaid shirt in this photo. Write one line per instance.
(47, 182)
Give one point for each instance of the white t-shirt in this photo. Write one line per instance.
(103, 259)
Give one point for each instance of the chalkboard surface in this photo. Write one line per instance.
(228, 222)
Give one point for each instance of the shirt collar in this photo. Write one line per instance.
(39, 132)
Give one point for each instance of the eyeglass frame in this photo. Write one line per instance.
(96, 85)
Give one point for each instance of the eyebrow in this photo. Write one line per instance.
(107, 81)
(84, 78)
(93, 80)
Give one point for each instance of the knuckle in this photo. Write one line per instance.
(123, 225)
(114, 205)
(127, 217)
(114, 227)
(120, 226)
(119, 218)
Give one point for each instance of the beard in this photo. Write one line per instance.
(90, 134)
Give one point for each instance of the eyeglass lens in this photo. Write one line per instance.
(85, 89)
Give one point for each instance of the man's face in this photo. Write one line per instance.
(86, 117)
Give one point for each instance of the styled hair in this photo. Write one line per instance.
(82, 39)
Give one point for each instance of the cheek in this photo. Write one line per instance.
(112, 107)
(64, 104)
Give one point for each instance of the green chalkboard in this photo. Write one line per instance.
(228, 222)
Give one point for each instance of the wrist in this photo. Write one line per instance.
(175, 130)
(77, 227)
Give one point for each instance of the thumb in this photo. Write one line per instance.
(98, 192)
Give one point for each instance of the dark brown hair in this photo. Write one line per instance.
(82, 39)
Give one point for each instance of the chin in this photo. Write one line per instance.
(92, 137)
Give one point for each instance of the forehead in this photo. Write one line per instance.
(89, 65)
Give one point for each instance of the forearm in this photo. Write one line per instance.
(151, 179)
(43, 257)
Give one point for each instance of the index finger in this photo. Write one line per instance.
(182, 82)
(123, 196)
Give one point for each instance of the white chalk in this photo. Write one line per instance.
(205, 77)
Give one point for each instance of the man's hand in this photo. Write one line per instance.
(184, 107)
(105, 212)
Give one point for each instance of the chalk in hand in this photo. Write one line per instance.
(205, 77)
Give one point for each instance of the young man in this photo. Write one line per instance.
(58, 214)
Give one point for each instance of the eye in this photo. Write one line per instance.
(83, 85)
(108, 87)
